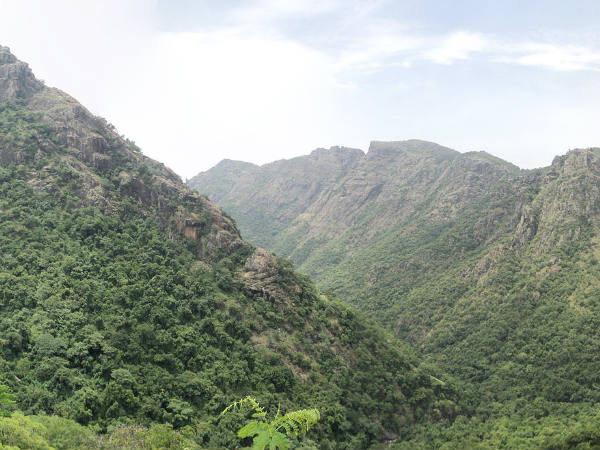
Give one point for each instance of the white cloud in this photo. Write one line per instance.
(269, 10)
(459, 45)
(206, 96)
(557, 57)
(188, 99)
(87, 48)
(378, 51)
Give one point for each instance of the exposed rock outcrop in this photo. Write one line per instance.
(260, 274)
(16, 79)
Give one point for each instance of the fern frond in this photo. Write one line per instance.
(278, 411)
(289, 430)
(297, 422)
(247, 401)
(293, 423)
(261, 440)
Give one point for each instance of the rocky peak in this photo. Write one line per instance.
(6, 57)
(577, 160)
(93, 149)
(232, 163)
(337, 152)
(229, 169)
(415, 147)
(16, 78)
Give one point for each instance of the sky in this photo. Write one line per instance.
(193, 82)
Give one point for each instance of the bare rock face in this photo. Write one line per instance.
(260, 276)
(527, 227)
(260, 270)
(16, 78)
(216, 233)
(261, 263)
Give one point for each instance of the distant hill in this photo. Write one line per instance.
(266, 200)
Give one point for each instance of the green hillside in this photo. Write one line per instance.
(127, 299)
(490, 271)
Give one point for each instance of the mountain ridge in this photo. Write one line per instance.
(487, 268)
(94, 141)
(410, 152)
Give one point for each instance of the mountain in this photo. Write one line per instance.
(490, 271)
(280, 191)
(327, 211)
(126, 297)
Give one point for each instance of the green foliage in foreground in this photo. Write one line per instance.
(19, 432)
(294, 424)
(40, 432)
(571, 427)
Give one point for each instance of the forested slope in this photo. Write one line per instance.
(491, 271)
(125, 297)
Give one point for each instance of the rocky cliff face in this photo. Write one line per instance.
(16, 78)
(296, 206)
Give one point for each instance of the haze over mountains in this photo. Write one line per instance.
(490, 271)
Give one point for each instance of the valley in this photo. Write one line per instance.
(489, 271)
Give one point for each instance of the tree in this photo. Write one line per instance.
(7, 400)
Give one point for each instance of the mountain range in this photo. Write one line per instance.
(489, 271)
(456, 305)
